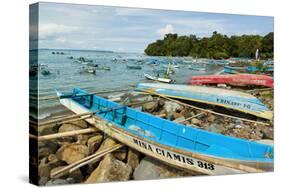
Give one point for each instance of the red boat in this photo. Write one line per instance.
(233, 79)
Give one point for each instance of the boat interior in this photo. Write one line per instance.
(172, 134)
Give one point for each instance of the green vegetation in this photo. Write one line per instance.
(217, 46)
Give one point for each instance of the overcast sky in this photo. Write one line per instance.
(70, 26)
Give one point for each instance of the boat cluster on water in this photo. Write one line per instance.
(42, 68)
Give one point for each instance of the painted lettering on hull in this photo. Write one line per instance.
(174, 156)
(233, 103)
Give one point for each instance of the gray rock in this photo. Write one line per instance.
(211, 118)
(108, 142)
(238, 127)
(94, 143)
(54, 161)
(222, 85)
(133, 158)
(57, 182)
(52, 146)
(195, 121)
(140, 98)
(172, 107)
(150, 106)
(152, 169)
(180, 119)
(69, 127)
(43, 152)
(44, 169)
(121, 154)
(217, 128)
(45, 130)
(268, 133)
(109, 170)
(42, 181)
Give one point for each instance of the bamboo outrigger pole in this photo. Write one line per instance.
(82, 116)
(65, 134)
(99, 92)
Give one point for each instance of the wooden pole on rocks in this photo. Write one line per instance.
(187, 119)
(65, 134)
(94, 157)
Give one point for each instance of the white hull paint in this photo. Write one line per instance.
(165, 80)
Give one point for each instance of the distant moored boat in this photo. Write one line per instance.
(165, 80)
(236, 79)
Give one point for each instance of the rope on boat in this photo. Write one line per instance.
(204, 110)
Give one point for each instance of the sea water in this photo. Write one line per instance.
(65, 73)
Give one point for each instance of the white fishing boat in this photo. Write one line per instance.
(165, 80)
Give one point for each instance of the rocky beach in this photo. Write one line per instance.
(127, 163)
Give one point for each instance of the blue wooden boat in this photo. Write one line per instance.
(138, 67)
(236, 100)
(175, 144)
(234, 70)
(254, 69)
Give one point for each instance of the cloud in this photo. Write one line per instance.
(119, 11)
(199, 25)
(47, 31)
(167, 29)
(61, 40)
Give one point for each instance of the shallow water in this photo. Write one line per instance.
(65, 73)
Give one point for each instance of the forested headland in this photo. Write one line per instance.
(218, 46)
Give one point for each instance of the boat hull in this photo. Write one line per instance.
(214, 96)
(196, 163)
(164, 80)
(237, 80)
(234, 70)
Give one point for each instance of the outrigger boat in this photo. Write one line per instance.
(165, 80)
(234, 70)
(178, 145)
(236, 80)
(235, 100)
(134, 67)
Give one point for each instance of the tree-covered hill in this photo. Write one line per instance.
(217, 46)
